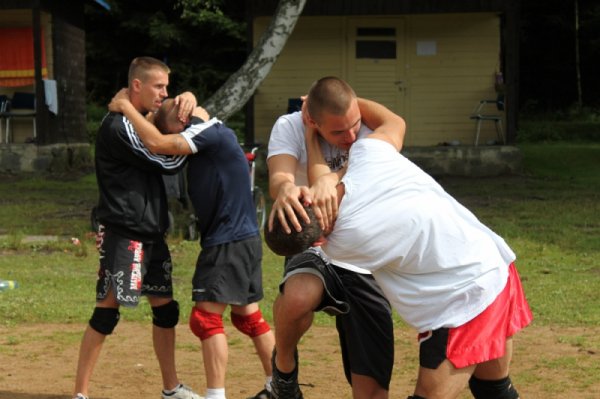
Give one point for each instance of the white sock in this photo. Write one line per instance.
(268, 383)
(215, 393)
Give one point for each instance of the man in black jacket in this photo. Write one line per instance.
(134, 257)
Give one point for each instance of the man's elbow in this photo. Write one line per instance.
(155, 147)
(401, 131)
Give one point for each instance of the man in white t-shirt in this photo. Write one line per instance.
(311, 281)
(449, 276)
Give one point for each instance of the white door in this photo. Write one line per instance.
(376, 60)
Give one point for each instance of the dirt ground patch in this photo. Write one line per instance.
(39, 362)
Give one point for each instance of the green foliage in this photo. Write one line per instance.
(203, 42)
(94, 114)
(530, 111)
(533, 132)
(199, 12)
(573, 124)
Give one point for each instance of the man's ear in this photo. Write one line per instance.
(312, 122)
(135, 85)
(320, 241)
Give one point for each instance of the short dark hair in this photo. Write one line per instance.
(284, 244)
(141, 66)
(329, 95)
(165, 115)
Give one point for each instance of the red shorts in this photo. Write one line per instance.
(484, 337)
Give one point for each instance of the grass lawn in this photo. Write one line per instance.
(548, 215)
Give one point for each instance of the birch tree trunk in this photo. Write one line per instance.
(240, 86)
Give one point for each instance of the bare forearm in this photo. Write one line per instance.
(276, 182)
(152, 138)
(315, 161)
(282, 171)
(388, 126)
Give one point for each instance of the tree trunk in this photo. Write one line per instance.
(579, 94)
(240, 86)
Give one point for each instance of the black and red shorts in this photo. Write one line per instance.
(484, 337)
(132, 268)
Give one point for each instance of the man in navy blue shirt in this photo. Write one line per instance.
(228, 271)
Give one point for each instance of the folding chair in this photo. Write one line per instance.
(479, 118)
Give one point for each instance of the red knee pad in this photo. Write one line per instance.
(252, 325)
(205, 324)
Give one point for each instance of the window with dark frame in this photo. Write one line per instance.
(382, 49)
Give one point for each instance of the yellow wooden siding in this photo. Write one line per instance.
(440, 90)
(444, 88)
(315, 49)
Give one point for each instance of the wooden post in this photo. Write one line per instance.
(41, 118)
(513, 23)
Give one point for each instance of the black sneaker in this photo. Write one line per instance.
(282, 389)
(264, 394)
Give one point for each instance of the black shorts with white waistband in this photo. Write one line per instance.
(229, 273)
(363, 315)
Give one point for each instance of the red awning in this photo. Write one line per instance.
(16, 62)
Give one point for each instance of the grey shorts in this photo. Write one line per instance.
(363, 315)
(229, 273)
(132, 268)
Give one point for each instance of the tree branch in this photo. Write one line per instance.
(241, 85)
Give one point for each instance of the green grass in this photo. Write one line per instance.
(548, 215)
(44, 206)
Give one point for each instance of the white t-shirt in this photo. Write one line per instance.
(437, 264)
(287, 137)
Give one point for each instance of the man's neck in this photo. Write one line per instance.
(137, 104)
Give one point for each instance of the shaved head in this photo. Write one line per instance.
(329, 95)
(166, 118)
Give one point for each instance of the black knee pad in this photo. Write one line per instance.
(104, 320)
(166, 316)
(493, 389)
(415, 397)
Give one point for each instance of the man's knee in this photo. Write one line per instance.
(302, 292)
(493, 389)
(166, 316)
(104, 320)
(252, 325)
(364, 386)
(205, 324)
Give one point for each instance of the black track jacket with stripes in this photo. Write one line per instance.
(133, 201)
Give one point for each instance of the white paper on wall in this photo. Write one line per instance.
(426, 48)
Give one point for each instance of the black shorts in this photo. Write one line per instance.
(133, 268)
(229, 273)
(363, 315)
